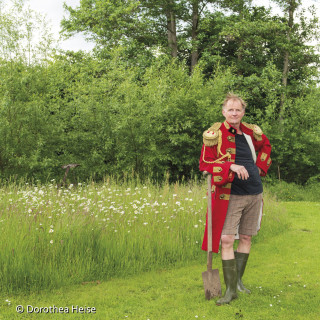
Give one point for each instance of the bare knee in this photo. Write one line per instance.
(245, 238)
(227, 241)
(244, 243)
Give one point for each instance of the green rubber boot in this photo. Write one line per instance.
(241, 261)
(230, 279)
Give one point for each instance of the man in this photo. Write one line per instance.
(229, 154)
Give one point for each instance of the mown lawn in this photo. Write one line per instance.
(283, 274)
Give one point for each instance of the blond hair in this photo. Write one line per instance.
(234, 97)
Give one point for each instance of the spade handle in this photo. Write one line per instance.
(209, 222)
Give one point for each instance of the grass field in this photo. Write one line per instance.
(52, 238)
(283, 269)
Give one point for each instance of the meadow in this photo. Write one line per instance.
(132, 250)
(53, 237)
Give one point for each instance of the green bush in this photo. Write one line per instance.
(114, 118)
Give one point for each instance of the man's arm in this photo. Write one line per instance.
(221, 173)
(264, 152)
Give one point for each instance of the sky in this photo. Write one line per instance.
(54, 11)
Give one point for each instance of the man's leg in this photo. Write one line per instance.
(227, 241)
(234, 213)
(229, 269)
(248, 227)
(244, 245)
(242, 255)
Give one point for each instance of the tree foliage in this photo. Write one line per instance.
(131, 107)
(24, 34)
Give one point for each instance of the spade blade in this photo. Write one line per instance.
(211, 283)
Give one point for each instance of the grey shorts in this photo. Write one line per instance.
(243, 212)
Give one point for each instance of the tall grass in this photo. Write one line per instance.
(293, 192)
(55, 237)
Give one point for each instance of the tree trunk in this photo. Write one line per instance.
(286, 61)
(172, 33)
(194, 34)
(241, 9)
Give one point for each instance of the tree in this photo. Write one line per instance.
(150, 24)
(195, 11)
(24, 34)
(297, 56)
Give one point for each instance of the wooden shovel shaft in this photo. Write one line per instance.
(209, 253)
(211, 279)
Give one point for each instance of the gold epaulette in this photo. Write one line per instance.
(211, 136)
(257, 132)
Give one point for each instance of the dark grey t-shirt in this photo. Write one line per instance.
(244, 158)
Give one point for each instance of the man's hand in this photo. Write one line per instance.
(241, 171)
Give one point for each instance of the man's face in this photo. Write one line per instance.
(233, 112)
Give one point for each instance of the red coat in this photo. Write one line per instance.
(217, 155)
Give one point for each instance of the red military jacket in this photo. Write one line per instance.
(217, 155)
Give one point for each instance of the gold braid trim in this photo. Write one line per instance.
(257, 132)
(215, 161)
(211, 136)
(215, 127)
(219, 143)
